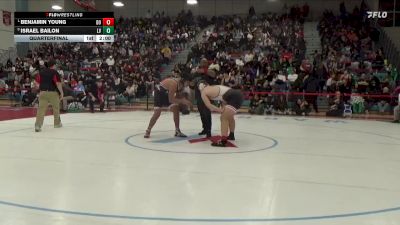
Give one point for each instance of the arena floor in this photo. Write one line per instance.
(98, 170)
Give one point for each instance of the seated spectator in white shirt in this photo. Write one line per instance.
(130, 91)
(110, 61)
(248, 57)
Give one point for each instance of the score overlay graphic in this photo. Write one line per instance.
(64, 27)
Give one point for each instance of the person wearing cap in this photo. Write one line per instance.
(49, 82)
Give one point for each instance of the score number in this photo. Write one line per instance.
(105, 22)
(109, 22)
(108, 30)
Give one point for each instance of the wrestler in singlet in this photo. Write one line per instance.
(165, 95)
(232, 98)
(161, 98)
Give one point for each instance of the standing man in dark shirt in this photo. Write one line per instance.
(207, 77)
(311, 84)
(49, 82)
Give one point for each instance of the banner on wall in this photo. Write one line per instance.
(6, 18)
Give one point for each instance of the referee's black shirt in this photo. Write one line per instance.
(47, 79)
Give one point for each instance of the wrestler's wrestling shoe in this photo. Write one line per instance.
(219, 144)
(178, 133)
(231, 136)
(147, 134)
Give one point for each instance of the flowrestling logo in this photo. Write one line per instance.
(377, 14)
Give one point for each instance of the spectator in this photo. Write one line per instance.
(268, 105)
(97, 95)
(15, 94)
(280, 105)
(68, 96)
(397, 114)
(383, 104)
(3, 87)
(302, 107)
(167, 54)
(228, 80)
(110, 61)
(397, 111)
(336, 107)
(256, 105)
(79, 93)
(130, 92)
(79, 88)
(311, 88)
(28, 98)
(150, 84)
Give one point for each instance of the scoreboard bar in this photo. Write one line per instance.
(63, 30)
(64, 38)
(63, 14)
(64, 27)
(61, 22)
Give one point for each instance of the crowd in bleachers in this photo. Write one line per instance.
(262, 54)
(129, 66)
(251, 53)
(266, 54)
(351, 62)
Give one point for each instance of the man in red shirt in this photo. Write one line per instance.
(97, 94)
(49, 82)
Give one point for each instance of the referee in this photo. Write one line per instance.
(49, 82)
(207, 77)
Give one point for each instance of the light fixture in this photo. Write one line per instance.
(118, 4)
(191, 2)
(56, 7)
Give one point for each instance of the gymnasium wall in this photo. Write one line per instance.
(101, 5)
(68, 5)
(373, 4)
(43, 5)
(7, 32)
(135, 8)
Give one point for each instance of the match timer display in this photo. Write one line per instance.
(64, 27)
